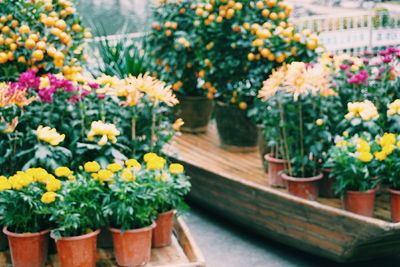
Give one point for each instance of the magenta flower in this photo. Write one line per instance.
(47, 94)
(344, 67)
(28, 79)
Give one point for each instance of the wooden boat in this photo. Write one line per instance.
(183, 252)
(235, 186)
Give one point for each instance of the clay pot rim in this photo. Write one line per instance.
(166, 213)
(191, 97)
(370, 191)
(143, 229)
(8, 233)
(270, 158)
(74, 238)
(301, 179)
(393, 191)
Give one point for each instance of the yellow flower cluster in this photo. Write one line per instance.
(364, 150)
(49, 135)
(296, 78)
(388, 144)
(176, 168)
(22, 179)
(394, 108)
(365, 110)
(154, 162)
(106, 130)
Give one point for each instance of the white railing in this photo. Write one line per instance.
(355, 33)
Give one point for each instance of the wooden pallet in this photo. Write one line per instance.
(234, 185)
(183, 252)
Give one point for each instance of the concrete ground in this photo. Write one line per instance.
(227, 245)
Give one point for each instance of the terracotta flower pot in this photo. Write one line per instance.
(262, 147)
(361, 203)
(162, 233)
(28, 250)
(326, 185)
(77, 251)
(275, 167)
(237, 133)
(132, 247)
(306, 188)
(195, 112)
(395, 204)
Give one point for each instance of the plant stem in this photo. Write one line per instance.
(285, 142)
(153, 126)
(301, 137)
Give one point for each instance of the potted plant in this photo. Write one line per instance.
(171, 185)
(351, 160)
(44, 42)
(296, 124)
(77, 216)
(130, 208)
(174, 42)
(243, 42)
(23, 200)
(386, 165)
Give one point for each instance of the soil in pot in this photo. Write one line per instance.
(275, 168)
(326, 184)
(361, 203)
(195, 112)
(28, 250)
(162, 233)
(77, 251)
(237, 133)
(132, 247)
(306, 188)
(395, 204)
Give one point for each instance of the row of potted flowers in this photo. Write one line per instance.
(135, 203)
(306, 120)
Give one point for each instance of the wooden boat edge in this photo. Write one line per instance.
(188, 244)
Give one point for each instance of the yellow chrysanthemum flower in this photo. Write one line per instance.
(39, 174)
(63, 172)
(156, 163)
(365, 156)
(148, 156)
(365, 110)
(127, 175)
(104, 175)
(380, 155)
(91, 166)
(107, 131)
(49, 135)
(176, 168)
(48, 197)
(133, 163)
(114, 167)
(53, 185)
(394, 108)
(363, 146)
(4, 183)
(387, 139)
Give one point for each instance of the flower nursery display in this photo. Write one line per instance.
(49, 121)
(75, 205)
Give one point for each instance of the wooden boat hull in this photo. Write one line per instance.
(307, 225)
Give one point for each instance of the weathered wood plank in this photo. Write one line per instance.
(234, 185)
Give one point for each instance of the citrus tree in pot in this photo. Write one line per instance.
(130, 208)
(296, 94)
(24, 197)
(243, 42)
(171, 186)
(173, 43)
(77, 216)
